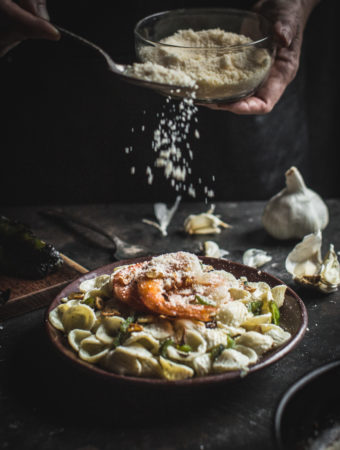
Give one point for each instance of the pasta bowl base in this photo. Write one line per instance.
(293, 319)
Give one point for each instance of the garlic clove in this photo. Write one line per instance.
(212, 249)
(330, 271)
(296, 211)
(204, 223)
(255, 257)
(307, 267)
(305, 258)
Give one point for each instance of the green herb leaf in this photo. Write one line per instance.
(216, 351)
(90, 301)
(164, 346)
(275, 312)
(123, 332)
(231, 342)
(204, 300)
(184, 348)
(255, 307)
(125, 325)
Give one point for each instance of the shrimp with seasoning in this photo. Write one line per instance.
(124, 283)
(169, 285)
(152, 295)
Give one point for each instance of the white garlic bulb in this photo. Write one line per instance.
(295, 211)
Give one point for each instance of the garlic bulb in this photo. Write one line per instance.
(295, 211)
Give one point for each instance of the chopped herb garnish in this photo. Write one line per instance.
(216, 351)
(90, 301)
(275, 312)
(116, 341)
(164, 346)
(184, 348)
(255, 307)
(204, 300)
(123, 331)
(231, 342)
(125, 325)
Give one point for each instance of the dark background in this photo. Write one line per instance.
(66, 120)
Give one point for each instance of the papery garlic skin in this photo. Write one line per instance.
(164, 216)
(255, 257)
(330, 271)
(295, 211)
(305, 260)
(212, 250)
(309, 269)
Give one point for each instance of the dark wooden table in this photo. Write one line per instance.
(47, 404)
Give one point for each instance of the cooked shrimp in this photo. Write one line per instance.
(124, 283)
(151, 294)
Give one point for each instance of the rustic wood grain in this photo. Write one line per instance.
(27, 295)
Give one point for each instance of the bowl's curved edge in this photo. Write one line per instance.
(291, 392)
(56, 336)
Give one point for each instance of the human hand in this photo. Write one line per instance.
(288, 18)
(26, 20)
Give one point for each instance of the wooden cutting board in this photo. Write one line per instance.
(28, 295)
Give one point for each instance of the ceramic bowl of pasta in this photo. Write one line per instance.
(176, 318)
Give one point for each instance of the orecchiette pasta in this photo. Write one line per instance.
(257, 341)
(78, 316)
(202, 364)
(145, 339)
(230, 359)
(92, 349)
(195, 321)
(196, 341)
(233, 314)
(174, 371)
(278, 335)
(76, 336)
(252, 323)
(247, 351)
(109, 328)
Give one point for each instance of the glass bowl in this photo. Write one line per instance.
(223, 73)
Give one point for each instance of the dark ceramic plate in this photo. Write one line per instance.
(308, 415)
(293, 319)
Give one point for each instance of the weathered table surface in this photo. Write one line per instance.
(46, 404)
